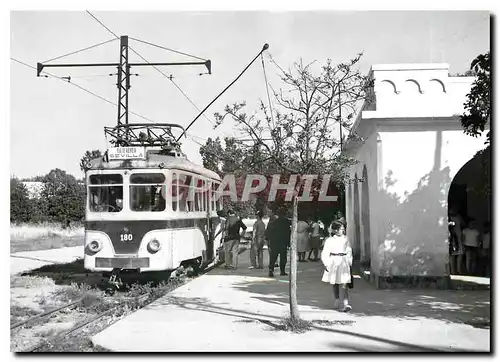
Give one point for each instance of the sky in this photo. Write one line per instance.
(53, 123)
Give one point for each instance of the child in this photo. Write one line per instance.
(471, 239)
(337, 259)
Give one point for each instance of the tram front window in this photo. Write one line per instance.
(106, 193)
(146, 192)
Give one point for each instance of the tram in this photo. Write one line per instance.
(148, 207)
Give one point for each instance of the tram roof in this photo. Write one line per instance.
(155, 161)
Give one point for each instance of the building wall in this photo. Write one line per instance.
(418, 168)
(366, 157)
(414, 146)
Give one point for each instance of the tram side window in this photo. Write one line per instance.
(205, 200)
(184, 181)
(218, 202)
(199, 195)
(106, 193)
(214, 188)
(174, 192)
(146, 192)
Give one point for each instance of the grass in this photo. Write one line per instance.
(295, 325)
(30, 237)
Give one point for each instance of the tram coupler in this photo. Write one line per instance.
(114, 279)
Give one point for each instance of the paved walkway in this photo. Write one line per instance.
(29, 260)
(239, 311)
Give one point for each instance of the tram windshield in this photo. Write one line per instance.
(146, 192)
(106, 193)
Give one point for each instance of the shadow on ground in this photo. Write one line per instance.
(75, 272)
(471, 307)
(271, 323)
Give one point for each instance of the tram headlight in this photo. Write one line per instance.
(95, 246)
(153, 246)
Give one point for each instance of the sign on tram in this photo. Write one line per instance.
(126, 153)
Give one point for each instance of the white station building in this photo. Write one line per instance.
(413, 149)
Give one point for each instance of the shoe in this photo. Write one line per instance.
(271, 274)
(260, 267)
(251, 267)
(283, 274)
(346, 308)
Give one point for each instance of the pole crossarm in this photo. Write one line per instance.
(40, 66)
(124, 133)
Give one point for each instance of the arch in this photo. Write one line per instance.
(356, 220)
(436, 84)
(412, 84)
(466, 199)
(365, 219)
(388, 85)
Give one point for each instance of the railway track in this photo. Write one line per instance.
(139, 301)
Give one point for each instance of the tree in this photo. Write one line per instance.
(64, 197)
(478, 113)
(478, 107)
(89, 155)
(302, 131)
(233, 159)
(20, 205)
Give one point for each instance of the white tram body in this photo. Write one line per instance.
(152, 213)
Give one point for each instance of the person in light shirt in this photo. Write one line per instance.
(258, 241)
(471, 240)
(337, 260)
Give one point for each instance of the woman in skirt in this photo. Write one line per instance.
(337, 260)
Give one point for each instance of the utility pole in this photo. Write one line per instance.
(342, 206)
(123, 83)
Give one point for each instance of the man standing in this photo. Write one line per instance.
(258, 240)
(232, 239)
(278, 234)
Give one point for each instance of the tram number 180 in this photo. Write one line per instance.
(126, 237)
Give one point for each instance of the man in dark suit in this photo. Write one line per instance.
(278, 234)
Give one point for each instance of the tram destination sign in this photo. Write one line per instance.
(126, 153)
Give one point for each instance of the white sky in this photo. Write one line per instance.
(53, 123)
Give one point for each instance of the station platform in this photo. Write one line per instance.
(241, 311)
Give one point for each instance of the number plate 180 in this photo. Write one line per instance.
(126, 238)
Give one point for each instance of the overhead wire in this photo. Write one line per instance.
(267, 90)
(82, 88)
(172, 50)
(80, 50)
(156, 68)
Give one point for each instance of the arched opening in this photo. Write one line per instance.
(356, 220)
(469, 213)
(365, 215)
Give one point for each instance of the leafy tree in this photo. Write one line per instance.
(478, 113)
(89, 155)
(20, 205)
(64, 197)
(301, 130)
(212, 155)
(478, 107)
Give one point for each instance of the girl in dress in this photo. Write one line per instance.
(337, 260)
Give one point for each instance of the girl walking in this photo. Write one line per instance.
(337, 260)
